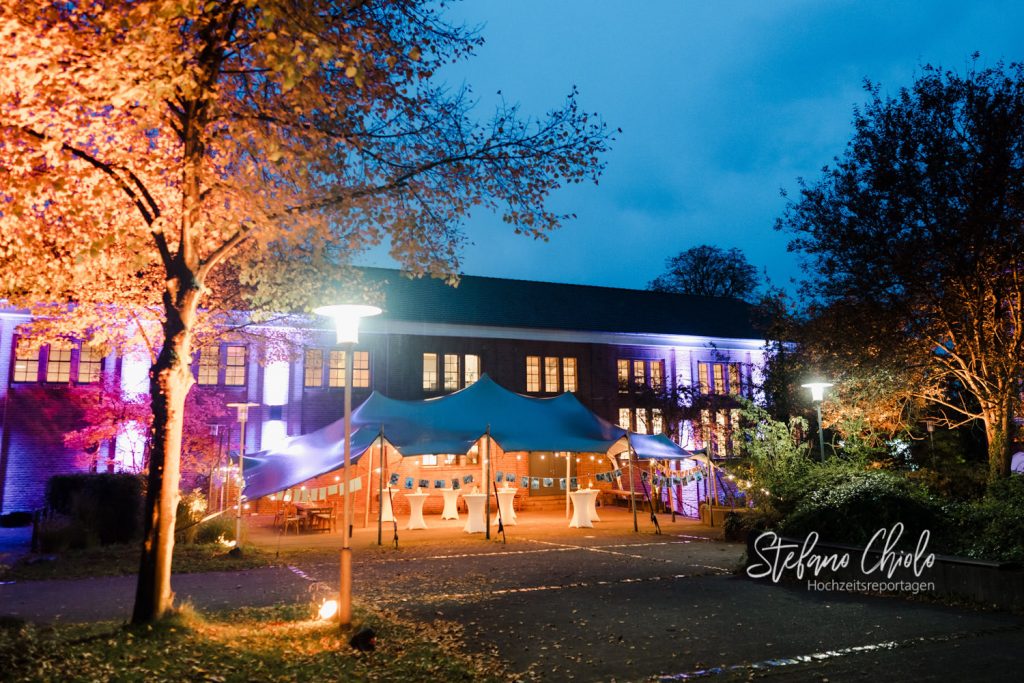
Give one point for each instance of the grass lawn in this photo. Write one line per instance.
(116, 560)
(266, 644)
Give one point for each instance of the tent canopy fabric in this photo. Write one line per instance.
(448, 424)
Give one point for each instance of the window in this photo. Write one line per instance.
(90, 364)
(719, 378)
(735, 383)
(551, 375)
(234, 371)
(533, 373)
(26, 363)
(360, 369)
(623, 372)
(314, 368)
(336, 369)
(641, 421)
(451, 372)
(430, 372)
(471, 366)
(657, 374)
(428, 460)
(624, 421)
(569, 374)
(208, 365)
(639, 376)
(702, 377)
(657, 422)
(58, 363)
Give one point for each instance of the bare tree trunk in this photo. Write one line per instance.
(999, 432)
(170, 381)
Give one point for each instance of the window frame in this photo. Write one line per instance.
(92, 365)
(313, 371)
(431, 381)
(32, 362)
(533, 374)
(570, 379)
(451, 375)
(552, 368)
(232, 378)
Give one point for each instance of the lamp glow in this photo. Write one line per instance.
(346, 319)
(817, 389)
(328, 609)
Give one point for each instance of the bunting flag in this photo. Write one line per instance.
(525, 482)
(424, 484)
(574, 482)
(599, 476)
(455, 484)
(439, 483)
(332, 490)
(549, 482)
(617, 473)
(510, 477)
(468, 479)
(323, 493)
(645, 475)
(498, 476)
(408, 482)
(355, 485)
(393, 480)
(535, 483)
(561, 483)
(287, 496)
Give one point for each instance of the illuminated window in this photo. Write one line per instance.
(209, 362)
(734, 425)
(451, 372)
(26, 363)
(533, 373)
(623, 372)
(657, 423)
(314, 368)
(551, 375)
(735, 383)
(641, 421)
(569, 374)
(471, 367)
(657, 374)
(336, 369)
(234, 370)
(360, 369)
(702, 377)
(58, 363)
(624, 421)
(639, 377)
(719, 378)
(451, 459)
(428, 460)
(90, 364)
(430, 372)
(720, 433)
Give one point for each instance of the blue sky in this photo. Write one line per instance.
(722, 104)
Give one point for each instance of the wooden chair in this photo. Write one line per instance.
(326, 519)
(292, 518)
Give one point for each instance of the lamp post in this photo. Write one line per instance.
(243, 415)
(346, 324)
(817, 395)
(930, 426)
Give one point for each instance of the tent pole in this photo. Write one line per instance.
(568, 480)
(380, 493)
(487, 483)
(632, 494)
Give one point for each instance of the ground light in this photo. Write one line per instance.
(818, 388)
(328, 609)
(346, 324)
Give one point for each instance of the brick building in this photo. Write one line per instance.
(621, 352)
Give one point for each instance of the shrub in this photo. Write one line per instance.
(59, 533)
(991, 528)
(851, 506)
(107, 506)
(213, 530)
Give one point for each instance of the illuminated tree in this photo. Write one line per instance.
(181, 155)
(915, 246)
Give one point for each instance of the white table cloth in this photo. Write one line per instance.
(592, 504)
(385, 504)
(451, 508)
(508, 513)
(416, 510)
(582, 500)
(476, 504)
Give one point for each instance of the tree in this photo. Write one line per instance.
(182, 157)
(708, 270)
(914, 240)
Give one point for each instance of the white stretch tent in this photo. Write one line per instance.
(449, 424)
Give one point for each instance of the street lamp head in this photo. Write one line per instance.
(243, 409)
(346, 319)
(817, 390)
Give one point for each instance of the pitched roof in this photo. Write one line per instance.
(496, 302)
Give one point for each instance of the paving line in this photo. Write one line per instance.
(600, 549)
(813, 658)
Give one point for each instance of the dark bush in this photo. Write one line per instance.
(851, 507)
(108, 506)
(13, 519)
(991, 528)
